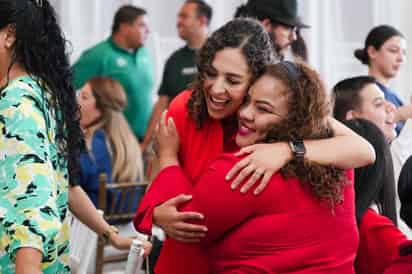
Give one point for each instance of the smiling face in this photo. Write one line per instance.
(266, 105)
(390, 57)
(376, 109)
(226, 83)
(88, 109)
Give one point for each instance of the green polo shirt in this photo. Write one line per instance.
(134, 70)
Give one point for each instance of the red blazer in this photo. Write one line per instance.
(379, 243)
(197, 148)
(283, 230)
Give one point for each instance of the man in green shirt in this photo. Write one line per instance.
(180, 69)
(124, 58)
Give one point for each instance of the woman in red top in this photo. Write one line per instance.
(379, 238)
(230, 60)
(304, 221)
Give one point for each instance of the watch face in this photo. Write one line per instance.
(299, 148)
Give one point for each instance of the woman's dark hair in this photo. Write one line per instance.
(245, 34)
(307, 118)
(40, 49)
(299, 48)
(375, 183)
(376, 38)
(405, 191)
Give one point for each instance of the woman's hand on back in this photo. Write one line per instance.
(262, 161)
(174, 223)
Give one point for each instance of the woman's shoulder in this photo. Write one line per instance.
(99, 134)
(178, 105)
(22, 87)
(372, 221)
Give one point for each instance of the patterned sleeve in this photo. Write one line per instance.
(30, 197)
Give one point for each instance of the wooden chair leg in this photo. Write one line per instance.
(99, 256)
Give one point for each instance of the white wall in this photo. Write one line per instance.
(341, 26)
(404, 84)
(338, 27)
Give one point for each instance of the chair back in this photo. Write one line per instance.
(118, 201)
(81, 238)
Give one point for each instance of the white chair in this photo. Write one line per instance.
(81, 240)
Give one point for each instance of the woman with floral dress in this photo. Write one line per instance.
(39, 140)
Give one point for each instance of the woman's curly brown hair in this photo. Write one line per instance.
(245, 34)
(308, 112)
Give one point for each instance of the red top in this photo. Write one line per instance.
(402, 265)
(197, 148)
(286, 229)
(379, 243)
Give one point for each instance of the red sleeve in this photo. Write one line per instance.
(379, 243)
(222, 207)
(161, 190)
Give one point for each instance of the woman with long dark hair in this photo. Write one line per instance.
(40, 139)
(405, 192)
(379, 238)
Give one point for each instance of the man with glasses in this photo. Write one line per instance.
(280, 19)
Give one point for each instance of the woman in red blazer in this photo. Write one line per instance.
(230, 60)
(304, 221)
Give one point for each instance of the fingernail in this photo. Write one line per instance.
(205, 229)
(227, 177)
(242, 190)
(232, 186)
(256, 192)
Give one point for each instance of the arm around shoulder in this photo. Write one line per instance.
(345, 150)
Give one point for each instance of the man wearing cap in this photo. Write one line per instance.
(279, 17)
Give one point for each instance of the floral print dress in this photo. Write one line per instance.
(33, 179)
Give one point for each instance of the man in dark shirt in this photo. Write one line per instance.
(192, 25)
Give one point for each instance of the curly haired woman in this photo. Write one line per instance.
(293, 226)
(232, 58)
(40, 139)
